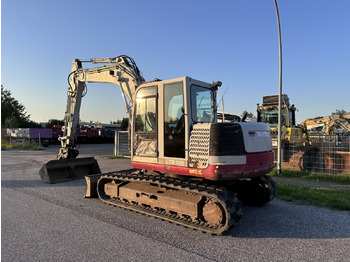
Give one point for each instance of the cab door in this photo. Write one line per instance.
(174, 120)
(145, 123)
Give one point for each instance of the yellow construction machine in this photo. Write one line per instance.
(306, 146)
(268, 113)
(330, 125)
(297, 153)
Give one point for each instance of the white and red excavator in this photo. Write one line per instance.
(187, 167)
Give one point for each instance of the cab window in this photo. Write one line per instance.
(202, 103)
(145, 115)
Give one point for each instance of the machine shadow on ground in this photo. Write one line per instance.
(39, 183)
(278, 220)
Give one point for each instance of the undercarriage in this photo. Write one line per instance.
(192, 203)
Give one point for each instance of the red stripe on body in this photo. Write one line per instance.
(256, 165)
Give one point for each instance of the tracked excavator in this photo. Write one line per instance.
(187, 168)
(328, 125)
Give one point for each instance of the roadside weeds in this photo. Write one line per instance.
(322, 190)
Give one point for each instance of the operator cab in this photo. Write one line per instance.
(268, 112)
(164, 113)
(175, 130)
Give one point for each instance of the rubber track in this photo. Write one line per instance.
(270, 187)
(227, 199)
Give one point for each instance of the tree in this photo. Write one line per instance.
(53, 122)
(249, 114)
(32, 124)
(10, 121)
(124, 123)
(13, 113)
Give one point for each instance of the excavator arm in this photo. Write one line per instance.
(121, 70)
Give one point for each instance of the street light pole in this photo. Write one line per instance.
(279, 144)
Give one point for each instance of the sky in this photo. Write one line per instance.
(233, 41)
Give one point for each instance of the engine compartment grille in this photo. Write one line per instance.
(199, 146)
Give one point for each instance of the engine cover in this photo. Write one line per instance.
(231, 150)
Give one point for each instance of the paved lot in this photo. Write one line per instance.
(41, 222)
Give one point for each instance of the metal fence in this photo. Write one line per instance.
(320, 153)
(123, 143)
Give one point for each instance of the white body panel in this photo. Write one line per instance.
(257, 137)
(227, 160)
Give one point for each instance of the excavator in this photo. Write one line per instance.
(304, 146)
(188, 168)
(327, 125)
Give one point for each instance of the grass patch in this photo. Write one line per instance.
(343, 179)
(25, 145)
(330, 198)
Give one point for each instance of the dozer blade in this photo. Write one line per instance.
(56, 171)
(91, 185)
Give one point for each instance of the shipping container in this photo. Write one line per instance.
(29, 133)
(51, 135)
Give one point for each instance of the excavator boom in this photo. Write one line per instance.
(122, 71)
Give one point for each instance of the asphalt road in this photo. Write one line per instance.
(41, 222)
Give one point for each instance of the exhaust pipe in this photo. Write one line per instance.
(56, 171)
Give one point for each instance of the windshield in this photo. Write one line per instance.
(202, 102)
(271, 117)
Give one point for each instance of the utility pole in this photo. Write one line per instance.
(279, 151)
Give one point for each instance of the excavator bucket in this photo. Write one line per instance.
(56, 171)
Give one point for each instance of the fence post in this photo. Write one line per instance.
(116, 143)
